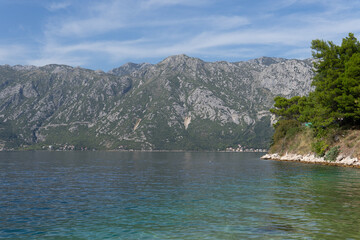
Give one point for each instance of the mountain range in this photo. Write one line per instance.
(180, 103)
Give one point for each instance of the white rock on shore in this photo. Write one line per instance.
(311, 158)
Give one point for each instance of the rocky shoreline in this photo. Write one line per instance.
(344, 161)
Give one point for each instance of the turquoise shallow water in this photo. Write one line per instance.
(143, 195)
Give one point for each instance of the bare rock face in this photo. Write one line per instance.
(187, 121)
(183, 103)
(288, 78)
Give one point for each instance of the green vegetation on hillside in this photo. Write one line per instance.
(331, 110)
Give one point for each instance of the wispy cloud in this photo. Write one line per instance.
(98, 18)
(161, 3)
(54, 6)
(85, 27)
(66, 60)
(11, 53)
(228, 22)
(136, 30)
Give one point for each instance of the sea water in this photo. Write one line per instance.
(174, 195)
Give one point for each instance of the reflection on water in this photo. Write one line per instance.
(142, 195)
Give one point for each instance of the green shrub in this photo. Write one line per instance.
(319, 147)
(286, 128)
(332, 154)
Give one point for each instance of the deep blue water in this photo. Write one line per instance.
(167, 195)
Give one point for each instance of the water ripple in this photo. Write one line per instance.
(106, 195)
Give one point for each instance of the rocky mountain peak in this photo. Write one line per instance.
(181, 63)
(180, 59)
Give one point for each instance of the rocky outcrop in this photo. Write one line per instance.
(187, 121)
(311, 158)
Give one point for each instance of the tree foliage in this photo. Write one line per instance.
(337, 81)
(336, 99)
(287, 108)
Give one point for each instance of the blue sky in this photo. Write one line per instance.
(106, 34)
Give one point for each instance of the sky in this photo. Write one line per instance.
(109, 33)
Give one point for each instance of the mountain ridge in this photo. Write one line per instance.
(179, 103)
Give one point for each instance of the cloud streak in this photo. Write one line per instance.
(54, 6)
(162, 3)
(107, 33)
(11, 54)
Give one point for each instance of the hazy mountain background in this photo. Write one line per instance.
(181, 103)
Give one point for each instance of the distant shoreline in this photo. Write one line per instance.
(116, 150)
